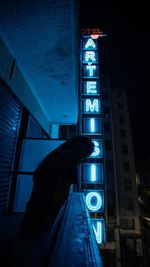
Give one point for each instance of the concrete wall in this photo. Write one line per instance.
(16, 81)
(43, 38)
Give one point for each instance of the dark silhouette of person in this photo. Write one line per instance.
(52, 180)
(51, 184)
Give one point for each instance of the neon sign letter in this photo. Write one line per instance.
(91, 87)
(96, 149)
(90, 56)
(92, 124)
(98, 232)
(90, 69)
(91, 203)
(92, 105)
(90, 43)
(93, 172)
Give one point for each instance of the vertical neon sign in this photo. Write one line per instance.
(90, 124)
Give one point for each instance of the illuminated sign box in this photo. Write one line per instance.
(90, 71)
(92, 126)
(98, 149)
(90, 57)
(91, 106)
(99, 229)
(94, 200)
(92, 173)
(91, 87)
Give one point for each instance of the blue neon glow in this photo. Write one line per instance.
(91, 105)
(91, 70)
(94, 201)
(98, 232)
(90, 57)
(91, 87)
(92, 126)
(99, 229)
(90, 44)
(92, 173)
(98, 150)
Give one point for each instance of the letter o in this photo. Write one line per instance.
(96, 206)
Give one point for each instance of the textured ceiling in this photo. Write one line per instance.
(42, 37)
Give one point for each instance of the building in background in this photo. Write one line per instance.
(127, 188)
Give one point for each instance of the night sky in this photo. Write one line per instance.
(125, 56)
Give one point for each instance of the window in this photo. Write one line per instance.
(111, 209)
(123, 133)
(106, 111)
(107, 127)
(120, 106)
(127, 224)
(108, 145)
(121, 119)
(110, 234)
(124, 149)
(129, 204)
(127, 184)
(126, 166)
(119, 94)
(105, 96)
(109, 165)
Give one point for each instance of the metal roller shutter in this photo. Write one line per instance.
(10, 114)
(34, 129)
